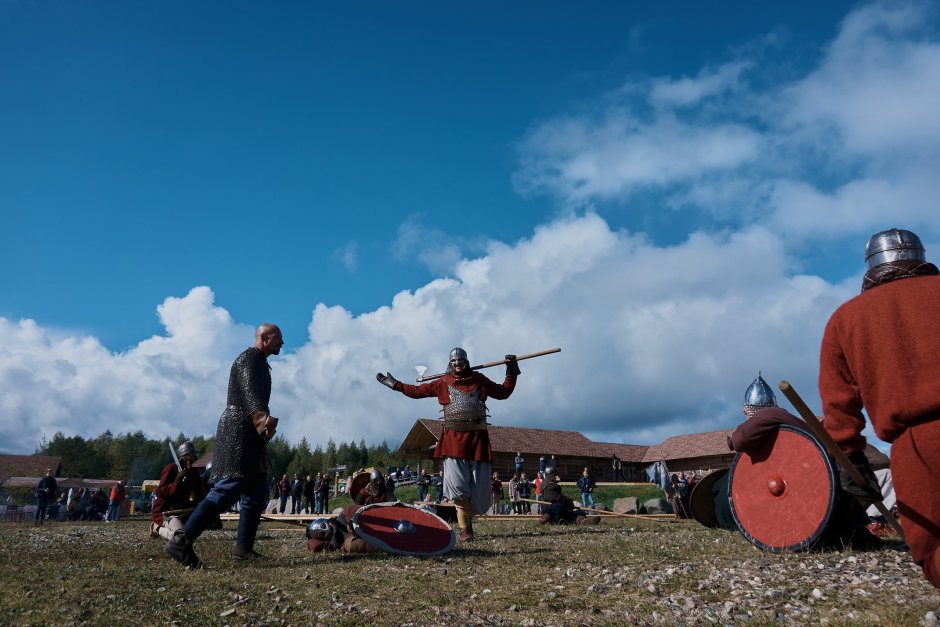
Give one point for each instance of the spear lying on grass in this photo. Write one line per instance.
(841, 458)
(431, 377)
(597, 511)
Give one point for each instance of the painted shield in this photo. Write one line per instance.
(359, 482)
(702, 501)
(783, 494)
(403, 529)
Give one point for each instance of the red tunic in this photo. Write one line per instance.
(881, 351)
(473, 445)
(172, 495)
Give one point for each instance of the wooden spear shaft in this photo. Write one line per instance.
(431, 377)
(588, 509)
(841, 458)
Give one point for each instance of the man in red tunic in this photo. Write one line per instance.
(881, 351)
(178, 490)
(465, 443)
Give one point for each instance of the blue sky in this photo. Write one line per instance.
(386, 181)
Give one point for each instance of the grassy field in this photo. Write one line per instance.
(516, 572)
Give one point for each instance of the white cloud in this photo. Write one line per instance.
(876, 87)
(579, 159)
(653, 339)
(348, 256)
(709, 82)
(850, 144)
(440, 252)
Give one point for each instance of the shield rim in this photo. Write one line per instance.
(357, 484)
(808, 542)
(378, 544)
(706, 515)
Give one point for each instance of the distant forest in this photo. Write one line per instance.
(135, 457)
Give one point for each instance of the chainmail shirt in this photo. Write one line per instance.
(239, 450)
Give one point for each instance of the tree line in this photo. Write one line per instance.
(135, 457)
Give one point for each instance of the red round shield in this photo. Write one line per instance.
(403, 529)
(359, 482)
(702, 501)
(783, 493)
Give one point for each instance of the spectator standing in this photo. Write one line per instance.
(586, 484)
(496, 488)
(325, 485)
(424, 480)
(519, 461)
(525, 489)
(84, 504)
(542, 465)
(283, 489)
(618, 468)
(309, 498)
(45, 495)
(514, 494)
(318, 494)
(117, 497)
(539, 480)
(296, 492)
(439, 482)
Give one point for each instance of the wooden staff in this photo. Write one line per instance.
(841, 458)
(178, 512)
(588, 509)
(296, 523)
(431, 377)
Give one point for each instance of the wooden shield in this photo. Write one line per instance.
(403, 530)
(359, 482)
(783, 494)
(702, 501)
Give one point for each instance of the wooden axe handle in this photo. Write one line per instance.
(431, 377)
(841, 458)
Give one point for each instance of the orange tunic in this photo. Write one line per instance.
(881, 351)
(473, 445)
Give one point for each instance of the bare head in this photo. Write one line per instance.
(268, 339)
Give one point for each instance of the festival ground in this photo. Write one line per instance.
(621, 571)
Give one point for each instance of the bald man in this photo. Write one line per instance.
(239, 461)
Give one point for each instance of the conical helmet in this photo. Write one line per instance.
(759, 395)
(458, 353)
(893, 245)
(186, 448)
(320, 529)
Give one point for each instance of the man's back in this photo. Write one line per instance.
(871, 342)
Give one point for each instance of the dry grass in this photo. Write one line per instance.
(620, 572)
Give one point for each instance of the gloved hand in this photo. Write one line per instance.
(512, 366)
(866, 494)
(386, 379)
(180, 479)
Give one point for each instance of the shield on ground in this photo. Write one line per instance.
(783, 494)
(702, 501)
(403, 529)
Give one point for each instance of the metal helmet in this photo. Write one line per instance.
(187, 448)
(376, 475)
(759, 394)
(458, 353)
(320, 529)
(893, 245)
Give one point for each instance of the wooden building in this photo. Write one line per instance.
(568, 451)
